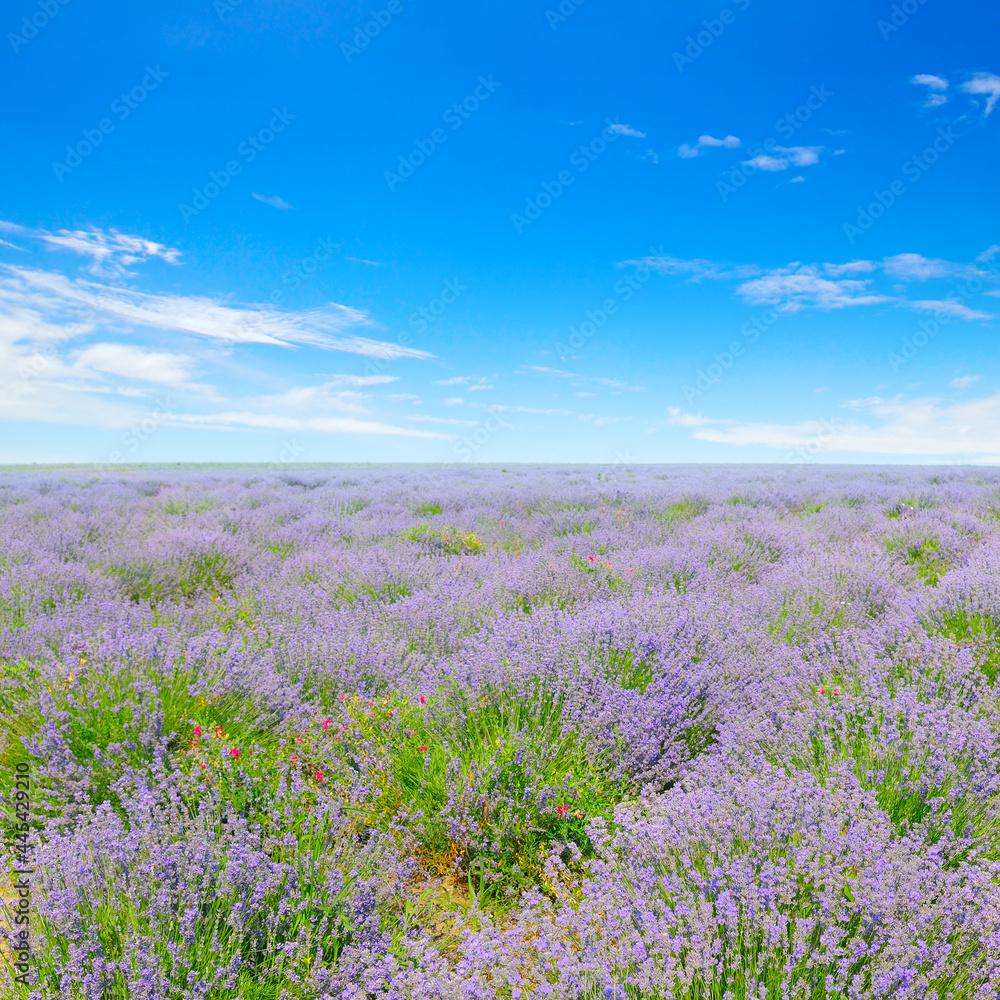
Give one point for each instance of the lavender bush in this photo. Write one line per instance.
(690, 734)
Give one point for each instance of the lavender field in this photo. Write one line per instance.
(364, 732)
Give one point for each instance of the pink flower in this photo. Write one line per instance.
(233, 752)
(326, 724)
(422, 749)
(197, 732)
(295, 757)
(591, 558)
(319, 775)
(423, 700)
(562, 810)
(343, 697)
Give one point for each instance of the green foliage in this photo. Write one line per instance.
(146, 581)
(445, 541)
(427, 509)
(923, 555)
(682, 511)
(503, 747)
(979, 629)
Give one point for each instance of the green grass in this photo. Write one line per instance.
(923, 555)
(682, 511)
(445, 541)
(978, 628)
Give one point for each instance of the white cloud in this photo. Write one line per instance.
(275, 201)
(680, 419)
(611, 383)
(598, 421)
(52, 370)
(361, 379)
(929, 80)
(800, 286)
(425, 419)
(916, 267)
(964, 381)
(618, 129)
(132, 362)
(926, 428)
(474, 383)
(315, 397)
(826, 286)
(454, 401)
(851, 267)
(270, 421)
(50, 293)
(110, 252)
(506, 408)
(799, 156)
(707, 141)
(949, 307)
(936, 83)
(698, 268)
(984, 83)
(798, 180)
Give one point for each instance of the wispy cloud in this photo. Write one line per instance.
(926, 427)
(610, 383)
(964, 381)
(786, 156)
(357, 380)
(688, 151)
(801, 286)
(987, 84)
(275, 201)
(937, 84)
(50, 293)
(86, 352)
(423, 418)
(110, 253)
(697, 269)
(916, 267)
(949, 307)
(270, 421)
(617, 128)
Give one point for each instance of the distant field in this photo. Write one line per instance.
(382, 732)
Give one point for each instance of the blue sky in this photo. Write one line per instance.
(258, 231)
